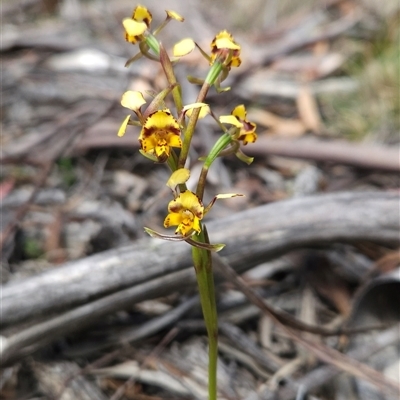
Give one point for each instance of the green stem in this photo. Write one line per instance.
(201, 184)
(172, 161)
(212, 365)
(211, 77)
(170, 75)
(213, 73)
(189, 131)
(152, 42)
(205, 280)
(219, 146)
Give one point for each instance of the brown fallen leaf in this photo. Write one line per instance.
(276, 125)
(308, 109)
(313, 66)
(388, 262)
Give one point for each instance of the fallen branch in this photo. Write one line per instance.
(28, 340)
(323, 374)
(340, 152)
(265, 233)
(359, 155)
(321, 351)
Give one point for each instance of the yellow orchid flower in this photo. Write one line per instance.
(137, 25)
(159, 133)
(226, 49)
(247, 130)
(185, 211)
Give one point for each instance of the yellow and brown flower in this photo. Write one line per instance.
(225, 49)
(246, 129)
(159, 133)
(185, 211)
(137, 25)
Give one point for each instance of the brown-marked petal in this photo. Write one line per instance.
(142, 14)
(185, 212)
(133, 29)
(174, 15)
(160, 132)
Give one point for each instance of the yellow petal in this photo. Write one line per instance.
(205, 109)
(235, 62)
(248, 138)
(183, 47)
(240, 112)
(196, 225)
(192, 203)
(134, 28)
(148, 143)
(178, 177)
(185, 227)
(174, 15)
(175, 206)
(174, 140)
(225, 43)
(122, 128)
(162, 119)
(132, 100)
(224, 40)
(172, 219)
(142, 14)
(162, 151)
(230, 119)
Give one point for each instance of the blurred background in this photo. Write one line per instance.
(320, 78)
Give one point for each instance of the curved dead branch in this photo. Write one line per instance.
(251, 236)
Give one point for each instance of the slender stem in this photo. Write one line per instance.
(201, 184)
(211, 77)
(219, 146)
(170, 75)
(153, 43)
(205, 280)
(172, 161)
(192, 125)
(212, 365)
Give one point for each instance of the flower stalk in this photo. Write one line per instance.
(189, 131)
(171, 78)
(205, 281)
(165, 137)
